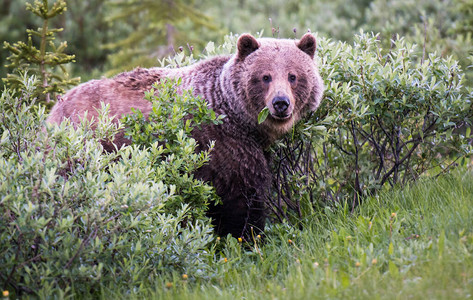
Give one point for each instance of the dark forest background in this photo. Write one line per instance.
(110, 36)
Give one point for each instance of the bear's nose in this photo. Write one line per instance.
(280, 104)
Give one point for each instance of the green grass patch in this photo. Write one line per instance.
(411, 243)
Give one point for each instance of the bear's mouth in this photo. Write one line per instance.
(281, 117)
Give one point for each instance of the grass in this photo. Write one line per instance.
(412, 243)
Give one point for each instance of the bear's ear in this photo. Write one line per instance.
(308, 44)
(246, 45)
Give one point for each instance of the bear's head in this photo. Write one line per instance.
(278, 74)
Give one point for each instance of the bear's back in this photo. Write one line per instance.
(127, 90)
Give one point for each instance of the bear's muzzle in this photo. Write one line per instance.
(281, 106)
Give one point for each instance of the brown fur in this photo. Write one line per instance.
(273, 73)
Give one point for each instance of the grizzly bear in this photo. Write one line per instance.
(278, 74)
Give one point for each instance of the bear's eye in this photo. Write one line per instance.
(267, 78)
(292, 78)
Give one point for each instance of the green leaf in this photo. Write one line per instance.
(393, 269)
(263, 115)
(441, 243)
(344, 279)
(391, 249)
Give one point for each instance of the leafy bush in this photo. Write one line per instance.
(170, 124)
(76, 216)
(388, 117)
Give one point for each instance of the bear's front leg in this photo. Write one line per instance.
(242, 213)
(242, 179)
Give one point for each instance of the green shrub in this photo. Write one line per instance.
(170, 124)
(387, 118)
(74, 216)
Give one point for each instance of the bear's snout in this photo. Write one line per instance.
(281, 106)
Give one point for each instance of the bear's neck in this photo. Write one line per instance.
(238, 127)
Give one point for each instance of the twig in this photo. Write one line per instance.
(425, 41)
(81, 247)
